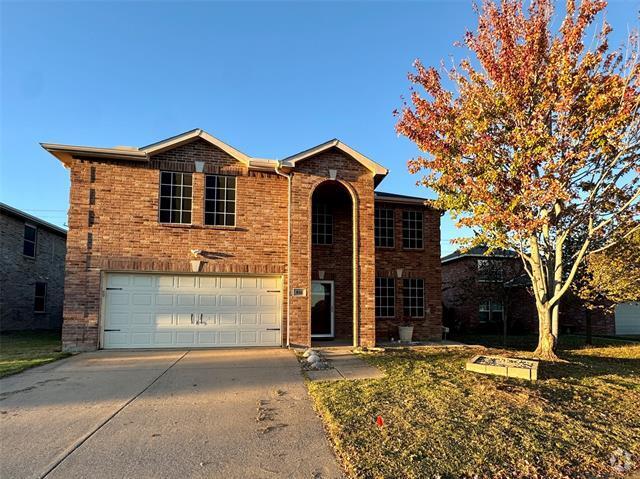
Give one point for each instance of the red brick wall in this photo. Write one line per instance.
(335, 259)
(126, 234)
(119, 230)
(463, 293)
(424, 263)
(307, 176)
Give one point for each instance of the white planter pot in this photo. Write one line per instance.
(196, 264)
(405, 333)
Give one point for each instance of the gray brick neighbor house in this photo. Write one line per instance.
(32, 254)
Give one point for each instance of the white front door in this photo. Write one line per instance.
(173, 311)
(322, 309)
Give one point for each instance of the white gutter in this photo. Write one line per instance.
(288, 177)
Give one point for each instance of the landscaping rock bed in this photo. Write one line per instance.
(500, 366)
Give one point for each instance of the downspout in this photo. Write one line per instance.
(288, 177)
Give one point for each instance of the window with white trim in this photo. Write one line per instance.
(491, 311)
(30, 241)
(220, 200)
(175, 197)
(413, 297)
(385, 298)
(40, 298)
(384, 228)
(412, 229)
(321, 224)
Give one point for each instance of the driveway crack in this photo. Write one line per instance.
(87, 436)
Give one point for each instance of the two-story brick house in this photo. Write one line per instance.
(188, 242)
(482, 293)
(32, 253)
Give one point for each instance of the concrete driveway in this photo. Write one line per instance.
(163, 414)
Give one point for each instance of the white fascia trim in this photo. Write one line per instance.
(374, 167)
(192, 135)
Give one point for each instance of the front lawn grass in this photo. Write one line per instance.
(26, 349)
(442, 421)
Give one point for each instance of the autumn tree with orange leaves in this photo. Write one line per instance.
(539, 136)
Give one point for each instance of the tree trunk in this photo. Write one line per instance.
(547, 342)
(587, 314)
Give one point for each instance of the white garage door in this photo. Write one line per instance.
(628, 318)
(173, 311)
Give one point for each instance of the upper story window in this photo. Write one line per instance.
(384, 228)
(220, 200)
(385, 298)
(40, 298)
(413, 297)
(30, 240)
(175, 197)
(490, 270)
(412, 229)
(321, 224)
(491, 312)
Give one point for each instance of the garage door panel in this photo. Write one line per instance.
(207, 338)
(118, 299)
(164, 300)
(249, 283)
(228, 300)
(628, 318)
(249, 300)
(228, 319)
(141, 299)
(141, 318)
(142, 281)
(228, 338)
(160, 310)
(228, 282)
(269, 283)
(163, 338)
(118, 280)
(267, 337)
(207, 282)
(184, 319)
(186, 282)
(268, 319)
(248, 318)
(117, 338)
(207, 300)
(186, 299)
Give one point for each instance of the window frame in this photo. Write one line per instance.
(43, 297)
(378, 229)
(391, 285)
(33, 242)
(327, 226)
(408, 287)
(489, 307)
(172, 197)
(410, 225)
(225, 201)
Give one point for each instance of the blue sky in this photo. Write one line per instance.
(271, 79)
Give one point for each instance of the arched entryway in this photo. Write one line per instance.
(332, 265)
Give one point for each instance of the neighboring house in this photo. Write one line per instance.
(189, 242)
(32, 254)
(480, 291)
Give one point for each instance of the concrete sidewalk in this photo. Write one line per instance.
(343, 364)
(205, 413)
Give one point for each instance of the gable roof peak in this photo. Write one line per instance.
(192, 135)
(377, 169)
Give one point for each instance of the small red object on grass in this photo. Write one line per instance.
(380, 421)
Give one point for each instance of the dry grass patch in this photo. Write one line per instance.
(442, 421)
(23, 350)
